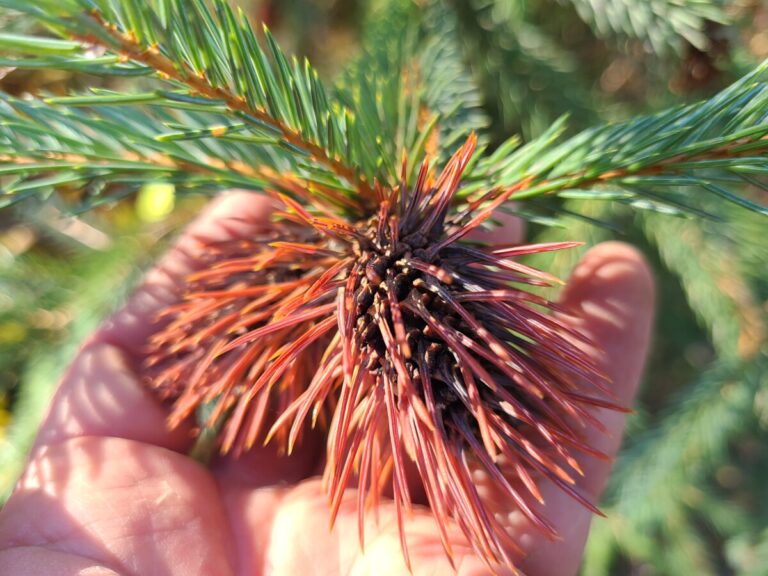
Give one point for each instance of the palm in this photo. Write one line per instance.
(110, 491)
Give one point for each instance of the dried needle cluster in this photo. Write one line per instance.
(405, 340)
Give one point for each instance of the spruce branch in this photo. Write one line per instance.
(711, 147)
(660, 23)
(208, 56)
(721, 295)
(670, 463)
(406, 93)
(412, 88)
(212, 53)
(451, 88)
(508, 58)
(685, 445)
(120, 142)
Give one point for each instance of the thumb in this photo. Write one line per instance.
(611, 297)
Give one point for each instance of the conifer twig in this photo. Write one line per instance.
(714, 146)
(152, 57)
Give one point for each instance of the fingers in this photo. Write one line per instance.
(100, 395)
(38, 561)
(106, 506)
(612, 294)
(232, 216)
(299, 541)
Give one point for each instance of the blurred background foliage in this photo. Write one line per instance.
(690, 491)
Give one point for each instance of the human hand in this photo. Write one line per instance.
(109, 490)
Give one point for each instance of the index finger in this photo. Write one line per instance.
(101, 394)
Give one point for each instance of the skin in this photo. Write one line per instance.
(109, 490)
